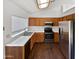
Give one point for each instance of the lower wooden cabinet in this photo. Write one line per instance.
(56, 37)
(39, 37)
(22, 52)
(17, 52)
(14, 52)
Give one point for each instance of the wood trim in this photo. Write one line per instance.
(23, 52)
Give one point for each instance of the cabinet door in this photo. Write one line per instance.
(14, 52)
(55, 21)
(69, 17)
(8, 53)
(33, 39)
(33, 22)
(73, 16)
(37, 37)
(56, 37)
(65, 18)
(27, 50)
(43, 20)
(40, 37)
(37, 22)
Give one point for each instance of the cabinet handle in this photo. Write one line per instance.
(9, 56)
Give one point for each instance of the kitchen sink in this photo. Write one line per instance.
(27, 33)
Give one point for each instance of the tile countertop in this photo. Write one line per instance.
(21, 41)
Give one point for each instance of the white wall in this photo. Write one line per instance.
(71, 11)
(9, 10)
(55, 12)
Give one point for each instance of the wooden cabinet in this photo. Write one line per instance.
(43, 20)
(69, 17)
(64, 18)
(17, 52)
(73, 16)
(14, 52)
(39, 37)
(33, 39)
(40, 21)
(27, 50)
(56, 21)
(56, 37)
(33, 22)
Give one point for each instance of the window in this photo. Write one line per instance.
(43, 3)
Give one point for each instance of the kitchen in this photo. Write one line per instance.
(26, 39)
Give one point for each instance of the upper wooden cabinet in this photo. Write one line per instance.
(69, 17)
(73, 16)
(43, 20)
(40, 21)
(64, 18)
(33, 22)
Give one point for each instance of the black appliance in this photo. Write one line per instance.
(48, 33)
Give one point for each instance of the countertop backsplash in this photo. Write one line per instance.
(41, 28)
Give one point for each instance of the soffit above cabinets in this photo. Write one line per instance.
(67, 7)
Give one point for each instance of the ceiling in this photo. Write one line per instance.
(28, 5)
(31, 7)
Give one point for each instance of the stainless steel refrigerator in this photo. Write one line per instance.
(67, 40)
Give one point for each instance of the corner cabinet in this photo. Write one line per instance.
(17, 52)
(36, 38)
